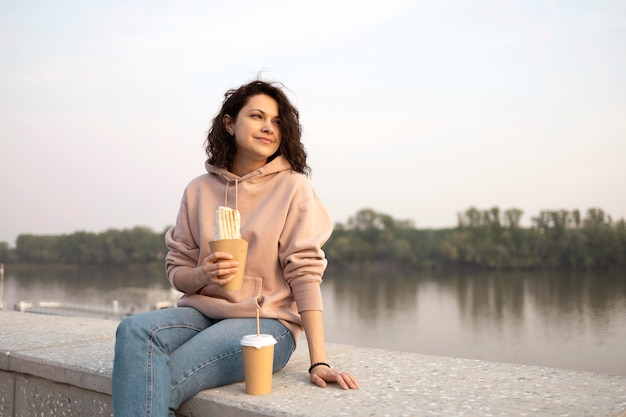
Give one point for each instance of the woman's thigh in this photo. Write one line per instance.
(169, 328)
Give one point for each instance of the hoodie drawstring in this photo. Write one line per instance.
(236, 194)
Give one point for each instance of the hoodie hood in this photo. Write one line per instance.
(277, 165)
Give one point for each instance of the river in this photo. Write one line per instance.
(563, 320)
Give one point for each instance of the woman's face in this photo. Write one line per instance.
(257, 133)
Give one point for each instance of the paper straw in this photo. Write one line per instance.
(258, 324)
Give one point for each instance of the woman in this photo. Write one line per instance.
(256, 164)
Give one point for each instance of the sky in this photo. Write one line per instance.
(415, 109)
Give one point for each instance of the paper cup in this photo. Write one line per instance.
(239, 249)
(258, 363)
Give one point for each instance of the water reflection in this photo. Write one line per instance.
(565, 320)
(371, 295)
(574, 321)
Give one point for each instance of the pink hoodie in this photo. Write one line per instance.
(285, 225)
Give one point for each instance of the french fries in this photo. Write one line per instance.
(227, 223)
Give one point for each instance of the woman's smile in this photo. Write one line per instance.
(265, 140)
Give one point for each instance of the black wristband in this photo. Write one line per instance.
(318, 364)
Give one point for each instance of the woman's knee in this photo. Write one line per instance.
(127, 329)
(141, 326)
(283, 350)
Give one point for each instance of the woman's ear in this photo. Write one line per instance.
(228, 124)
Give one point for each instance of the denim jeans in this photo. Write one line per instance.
(165, 357)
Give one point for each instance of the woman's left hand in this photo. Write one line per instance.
(320, 375)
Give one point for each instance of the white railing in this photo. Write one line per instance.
(1, 286)
(109, 311)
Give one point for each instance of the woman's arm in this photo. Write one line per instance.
(313, 323)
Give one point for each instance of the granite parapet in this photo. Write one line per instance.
(53, 365)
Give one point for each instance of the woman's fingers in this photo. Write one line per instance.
(344, 379)
(221, 275)
(220, 268)
(224, 280)
(347, 381)
(220, 255)
(317, 380)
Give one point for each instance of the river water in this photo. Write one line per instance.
(562, 320)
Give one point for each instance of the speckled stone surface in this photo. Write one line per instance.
(7, 390)
(70, 362)
(406, 384)
(75, 351)
(39, 397)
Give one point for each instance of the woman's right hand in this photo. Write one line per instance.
(219, 268)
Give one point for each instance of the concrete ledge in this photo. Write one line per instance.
(51, 365)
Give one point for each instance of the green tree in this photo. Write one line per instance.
(6, 253)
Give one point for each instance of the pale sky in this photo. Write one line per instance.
(416, 109)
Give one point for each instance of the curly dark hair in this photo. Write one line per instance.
(221, 146)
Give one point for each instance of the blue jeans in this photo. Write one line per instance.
(165, 357)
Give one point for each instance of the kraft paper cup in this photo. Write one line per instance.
(239, 249)
(258, 361)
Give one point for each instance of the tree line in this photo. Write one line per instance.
(112, 247)
(482, 239)
(485, 239)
